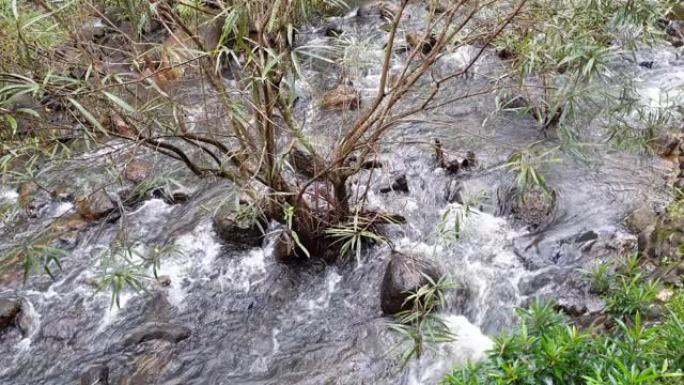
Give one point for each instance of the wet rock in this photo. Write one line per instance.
(382, 8)
(95, 206)
(156, 331)
(453, 166)
(172, 197)
(137, 170)
(96, 375)
(343, 97)
(424, 44)
(284, 247)
(642, 217)
(534, 208)
(9, 309)
(27, 193)
(667, 146)
(470, 161)
(647, 64)
(238, 231)
(400, 184)
(403, 275)
(306, 164)
(26, 319)
(164, 281)
(534, 284)
(586, 237)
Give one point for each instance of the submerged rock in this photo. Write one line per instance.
(9, 309)
(96, 375)
(238, 226)
(400, 184)
(156, 331)
(404, 274)
(236, 231)
(424, 44)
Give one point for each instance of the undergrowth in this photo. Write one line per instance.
(638, 341)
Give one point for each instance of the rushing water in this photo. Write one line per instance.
(254, 321)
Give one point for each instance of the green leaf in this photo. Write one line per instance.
(119, 102)
(88, 115)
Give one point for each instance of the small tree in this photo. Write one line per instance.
(260, 140)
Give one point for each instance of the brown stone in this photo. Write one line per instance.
(343, 97)
(95, 206)
(137, 170)
(424, 44)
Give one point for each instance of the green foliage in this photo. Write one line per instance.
(353, 234)
(563, 53)
(547, 349)
(454, 220)
(600, 278)
(420, 326)
(124, 266)
(525, 164)
(630, 295)
(34, 257)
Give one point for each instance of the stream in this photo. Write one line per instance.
(240, 317)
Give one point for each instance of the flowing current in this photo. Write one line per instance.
(252, 320)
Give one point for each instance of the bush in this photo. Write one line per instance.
(548, 349)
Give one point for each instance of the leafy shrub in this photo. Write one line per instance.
(548, 349)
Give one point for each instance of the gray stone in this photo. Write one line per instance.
(96, 375)
(238, 232)
(157, 331)
(404, 274)
(9, 309)
(641, 218)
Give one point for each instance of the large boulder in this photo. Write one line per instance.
(404, 274)
(9, 309)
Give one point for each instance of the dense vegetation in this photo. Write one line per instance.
(637, 341)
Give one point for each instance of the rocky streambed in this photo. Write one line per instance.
(217, 311)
